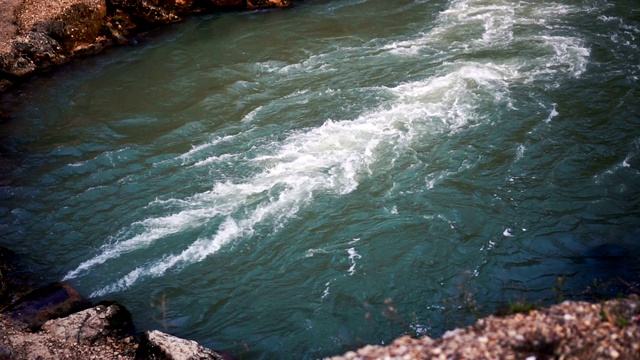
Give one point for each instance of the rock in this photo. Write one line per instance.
(70, 22)
(37, 35)
(30, 52)
(5, 353)
(45, 303)
(119, 25)
(92, 325)
(570, 330)
(54, 29)
(254, 4)
(116, 35)
(5, 85)
(156, 12)
(227, 3)
(6, 286)
(42, 345)
(156, 345)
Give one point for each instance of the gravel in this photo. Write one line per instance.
(18, 344)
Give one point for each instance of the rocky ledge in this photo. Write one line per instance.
(38, 35)
(570, 330)
(56, 322)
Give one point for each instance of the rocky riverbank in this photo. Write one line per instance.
(55, 322)
(570, 330)
(39, 35)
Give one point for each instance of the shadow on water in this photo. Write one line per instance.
(614, 270)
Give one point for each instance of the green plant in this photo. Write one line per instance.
(521, 307)
(558, 289)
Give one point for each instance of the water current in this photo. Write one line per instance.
(263, 182)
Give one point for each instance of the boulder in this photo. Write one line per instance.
(71, 23)
(92, 325)
(49, 302)
(156, 345)
(35, 50)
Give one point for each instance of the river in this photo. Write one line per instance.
(294, 184)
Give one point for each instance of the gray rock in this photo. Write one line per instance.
(156, 345)
(91, 325)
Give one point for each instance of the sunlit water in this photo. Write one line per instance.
(262, 182)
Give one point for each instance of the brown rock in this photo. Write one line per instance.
(156, 12)
(73, 21)
(37, 35)
(227, 3)
(45, 303)
(254, 4)
(8, 27)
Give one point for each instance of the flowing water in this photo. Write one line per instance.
(263, 182)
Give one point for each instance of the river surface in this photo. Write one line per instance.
(293, 184)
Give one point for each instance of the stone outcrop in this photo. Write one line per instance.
(159, 12)
(99, 332)
(156, 345)
(39, 35)
(92, 325)
(255, 4)
(570, 330)
(52, 345)
(56, 322)
(70, 23)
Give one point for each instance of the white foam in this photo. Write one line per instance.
(325, 293)
(520, 152)
(251, 115)
(451, 36)
(552, 114)
(200, 148)
(153, 230)
(353, 256)
(216, 159)
(625, 162)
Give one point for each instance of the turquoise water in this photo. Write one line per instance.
(263, 182)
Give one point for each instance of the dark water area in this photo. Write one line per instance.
(265, 182)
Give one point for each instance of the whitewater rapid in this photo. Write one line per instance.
(288, 173)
